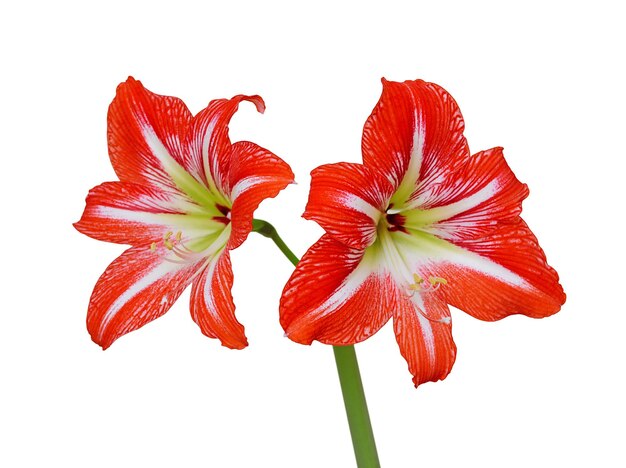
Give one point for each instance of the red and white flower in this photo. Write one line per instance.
(419, 225)
(185, 198)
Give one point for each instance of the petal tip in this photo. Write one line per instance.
(238, 345)
(255, 99)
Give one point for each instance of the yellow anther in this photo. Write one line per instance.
(153, 247)
(437, 280)
(168, 244)
(167, 235)
(414, 287)
(417, 278)
(179, 236)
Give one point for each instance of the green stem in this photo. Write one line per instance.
(349, 376)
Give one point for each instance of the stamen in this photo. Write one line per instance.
(445, 320)
(437, 280)
(419, 285)
(153, 247)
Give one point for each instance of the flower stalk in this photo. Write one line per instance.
(349, 376)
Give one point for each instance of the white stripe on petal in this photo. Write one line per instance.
(358, 204)
(159, 150)
(426, 326)
(206, 141)
(151, 277)
(420, 248)
(129, 215)
(207, 292)
(411, 176)
(418, 217)
(192, 224)
(246, 184)
(366, 267)
(183, 179)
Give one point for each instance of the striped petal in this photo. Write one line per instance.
(347, 200)
(336, 295)
(490, 258)
(414, 137)
(537, 293)
(145, 133)
(212, 306)
(138, 287)
(425, 337)
(208, 145)
(128, 213)
(255, 174)
(487, 277)
(483, 194)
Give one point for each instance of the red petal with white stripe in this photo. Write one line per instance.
(255, 174)
(415, 133)
(145, 134)
(138, 287)
(500, 268)
(212, 306)
(424, 334)
(347, 200)
(483, 193)
(133, 214)
(208, 144)
(488, 297)
(335, 296)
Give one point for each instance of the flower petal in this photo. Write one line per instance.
(208, 144)
(128, 213)
(415, 133)
(515, 248)
(212, 306)
(255, 174)
(138, 287)
(483, 193)
(145, 134)
(336, 295)
(347, 200)
(424, 334)
(488, 277)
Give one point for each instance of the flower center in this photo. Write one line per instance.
(395, 221)
(398, 247)
(203, 235)
(225, 218)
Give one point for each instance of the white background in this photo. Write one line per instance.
(543, 79)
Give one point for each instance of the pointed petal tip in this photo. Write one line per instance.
(291, 333)
(104, 345)
(296, 339)
(130, 82)
(238, 345)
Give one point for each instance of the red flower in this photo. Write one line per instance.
(186, 197)
(419, 225)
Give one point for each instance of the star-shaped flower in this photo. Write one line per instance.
(419, 225)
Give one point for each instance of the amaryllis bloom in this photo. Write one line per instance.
(185, 198)
(420, 225)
